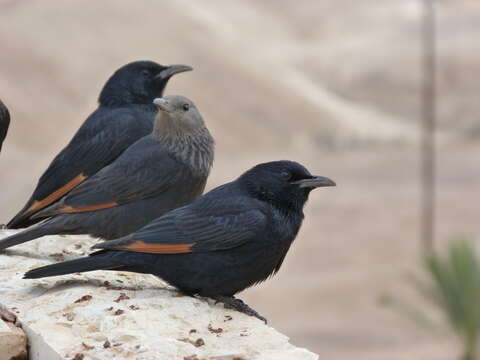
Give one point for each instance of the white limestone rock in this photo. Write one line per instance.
(121, 315)
(13, 341)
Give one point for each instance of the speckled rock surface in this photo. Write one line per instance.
(13, 342)
(120, 315)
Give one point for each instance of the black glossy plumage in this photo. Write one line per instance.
(125, 114)
(4, 122)
(160, 172)
(231, 238)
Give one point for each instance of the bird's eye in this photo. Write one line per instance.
(146, 73)
(186, 107)
(286, 175)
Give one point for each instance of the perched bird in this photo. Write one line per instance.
(4, 122)
(124, 115)
(233, 237)
(158, 173)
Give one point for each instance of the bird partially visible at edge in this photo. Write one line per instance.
(235, 236)
(158, 173)
(4, 122)
(124, 115)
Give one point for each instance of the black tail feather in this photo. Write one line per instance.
(91, 263)
(25, 236)
(22, 219)
(23, 222)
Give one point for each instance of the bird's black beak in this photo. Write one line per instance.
(315, 181)
(171, 70)
(163, 105)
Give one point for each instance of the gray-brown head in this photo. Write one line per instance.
(177, 115)
(180, 126)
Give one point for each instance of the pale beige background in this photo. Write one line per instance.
(332, 84)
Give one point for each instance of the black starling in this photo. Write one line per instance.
(4, 122)
(229, 239)
(124, 115)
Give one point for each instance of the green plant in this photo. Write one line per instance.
(455, 289)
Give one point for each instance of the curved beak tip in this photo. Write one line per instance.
(171, 70)
(182, 68)
(317, 181)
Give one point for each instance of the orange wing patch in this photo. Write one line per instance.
(70, 209)
(57, 194)
(141, 246)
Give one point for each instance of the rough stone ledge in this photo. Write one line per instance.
(13, 341)
(120, 315)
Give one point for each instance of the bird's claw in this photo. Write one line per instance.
(239, 305)
(249, 311)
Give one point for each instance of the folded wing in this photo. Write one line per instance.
(214, 227)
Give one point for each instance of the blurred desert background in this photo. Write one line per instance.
(332, 84)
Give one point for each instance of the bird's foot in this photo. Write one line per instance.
(230, 302)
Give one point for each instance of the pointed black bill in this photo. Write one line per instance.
(172, 70)
(316, 181)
